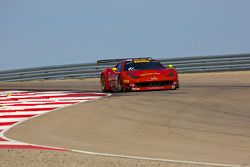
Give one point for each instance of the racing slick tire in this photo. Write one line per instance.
(120, 85)
(178, 85)
(103, 84)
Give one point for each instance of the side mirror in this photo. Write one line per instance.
(170, 66)
(114, 69)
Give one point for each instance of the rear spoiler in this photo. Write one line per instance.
(106, 61)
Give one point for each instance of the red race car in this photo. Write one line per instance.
(139, 74)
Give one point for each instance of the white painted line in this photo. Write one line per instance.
(24, 102)
(4, 127)
(4, 98)
(35, 100)
(34, 95)
(23, 113)
(33, 107)
(54, 98)
(10, 92)
(44, 100)
(11, 119)
(10, 143)
(7, 102)
(76, 98)
(52, 92)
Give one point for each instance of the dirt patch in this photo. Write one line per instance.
(37, 158)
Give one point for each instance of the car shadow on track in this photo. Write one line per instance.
(151, 92)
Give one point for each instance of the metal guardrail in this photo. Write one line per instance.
(91, 70)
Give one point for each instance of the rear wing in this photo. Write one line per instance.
(108, 61)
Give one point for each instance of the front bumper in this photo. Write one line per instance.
(143, 86)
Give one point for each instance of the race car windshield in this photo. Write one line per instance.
(153, 65)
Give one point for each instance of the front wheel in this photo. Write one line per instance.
(103, 84)
(120, 85)
(177, 85)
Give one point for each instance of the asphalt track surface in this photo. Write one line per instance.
(207, 120)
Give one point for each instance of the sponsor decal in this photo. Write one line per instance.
(141, 60)
(154, 78)
(149, 74)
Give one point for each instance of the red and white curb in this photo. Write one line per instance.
(19, 106)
